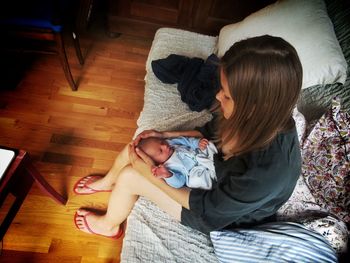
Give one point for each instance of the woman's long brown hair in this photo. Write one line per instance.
(264, 76)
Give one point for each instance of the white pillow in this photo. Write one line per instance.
(303, 23)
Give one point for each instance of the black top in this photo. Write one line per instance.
(249, 188)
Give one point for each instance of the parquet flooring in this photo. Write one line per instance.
(70, 135)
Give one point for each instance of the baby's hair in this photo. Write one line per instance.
(144, 143)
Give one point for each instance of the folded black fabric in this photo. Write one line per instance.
(198, 80)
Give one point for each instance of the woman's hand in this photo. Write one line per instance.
(139, 160)
(147, 133)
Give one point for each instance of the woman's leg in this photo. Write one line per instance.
(129, 186)
(107, 182)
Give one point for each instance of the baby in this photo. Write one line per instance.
(182, 160)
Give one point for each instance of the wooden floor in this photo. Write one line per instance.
(70, 135)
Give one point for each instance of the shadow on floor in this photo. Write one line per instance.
(12, 69)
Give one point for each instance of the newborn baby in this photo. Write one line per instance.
(182, 161)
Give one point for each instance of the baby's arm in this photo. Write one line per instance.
(172, 178)
(191, 142)
(161, 171)
(196, 143)
(203, 143)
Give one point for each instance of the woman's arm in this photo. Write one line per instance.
(166, 134)
(143, 164)
(172, 134)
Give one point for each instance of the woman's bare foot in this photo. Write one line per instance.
(92, 184)
(91, 223)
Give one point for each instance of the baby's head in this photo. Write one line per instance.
(156, 148)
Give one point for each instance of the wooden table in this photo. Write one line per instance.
(16, 177)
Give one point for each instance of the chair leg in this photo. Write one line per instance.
(64, 61)
(44, 185)
(77, 47)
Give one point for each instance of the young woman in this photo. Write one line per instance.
(258, 162)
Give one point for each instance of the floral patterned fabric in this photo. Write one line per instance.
(301, 203)
(303, 206)
(332, 229)
(326, 166)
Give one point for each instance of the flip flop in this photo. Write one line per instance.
(86, 227)
(84, 184)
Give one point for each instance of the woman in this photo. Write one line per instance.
(258, 162)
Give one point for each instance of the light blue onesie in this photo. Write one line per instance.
(190, 165)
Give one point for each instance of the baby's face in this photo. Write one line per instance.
(159, 150)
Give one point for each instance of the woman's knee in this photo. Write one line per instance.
(128, 178)
(136, 184)
(123, 156)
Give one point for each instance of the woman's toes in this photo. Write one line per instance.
(82, 212)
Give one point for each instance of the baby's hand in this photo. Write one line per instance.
(203, 143)
(161, 171)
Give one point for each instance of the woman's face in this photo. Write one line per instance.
(224, 96)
